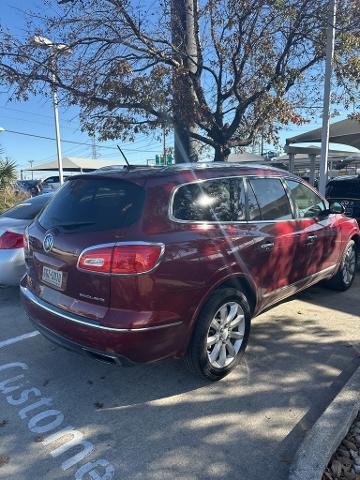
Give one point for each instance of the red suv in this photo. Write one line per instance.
(143, 264)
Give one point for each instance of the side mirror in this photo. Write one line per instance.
(336, 208)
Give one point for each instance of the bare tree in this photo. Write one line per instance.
(218, 72)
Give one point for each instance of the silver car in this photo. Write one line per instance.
(12, 227)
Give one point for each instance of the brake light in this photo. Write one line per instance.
(10, 240)
(121, 259)
(133, 259)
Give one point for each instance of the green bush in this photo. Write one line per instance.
(8, 194)
(9, 197)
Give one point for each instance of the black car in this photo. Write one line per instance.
(346, 190)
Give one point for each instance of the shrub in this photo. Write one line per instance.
(10, 197)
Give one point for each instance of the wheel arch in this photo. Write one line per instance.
(238, 281)
(356, 238)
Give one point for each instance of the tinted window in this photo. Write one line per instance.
(344, 189)
(272, 199)
(94, 204)
(214, 200)
(50, 180)
(28, 209)
(306, 202)
(252, 204)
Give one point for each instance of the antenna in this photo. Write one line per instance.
(126, 160)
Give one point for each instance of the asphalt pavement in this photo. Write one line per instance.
(64, 416)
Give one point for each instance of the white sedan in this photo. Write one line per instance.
(12, 227)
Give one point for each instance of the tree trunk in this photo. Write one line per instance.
(183, 37)
(221, 153)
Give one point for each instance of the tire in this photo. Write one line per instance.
(344, 277)
(225, 306)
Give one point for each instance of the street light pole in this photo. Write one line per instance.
(330, 47)
(55, 48)
(56, 117)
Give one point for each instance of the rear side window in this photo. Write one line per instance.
(28, 209)
(220, 200)
(94, 204)
(272, 200)
(306, 202)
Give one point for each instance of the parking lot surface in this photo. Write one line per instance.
(66, 416)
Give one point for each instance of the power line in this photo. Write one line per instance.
(76, 143)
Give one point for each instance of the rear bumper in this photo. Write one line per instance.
(75, 347)
(115, 345)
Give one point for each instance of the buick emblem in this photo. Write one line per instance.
(48, 242)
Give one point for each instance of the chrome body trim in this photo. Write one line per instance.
(77, 319)
(307, 279)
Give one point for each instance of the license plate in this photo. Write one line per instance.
(51, 276)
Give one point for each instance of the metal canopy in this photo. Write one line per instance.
(346, 132)
(74, 164)
(304, 152)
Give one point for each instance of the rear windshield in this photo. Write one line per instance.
(28, 209)
(94, 204)
(344, 189)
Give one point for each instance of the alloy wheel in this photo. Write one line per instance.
(225, 335)
(349, 266)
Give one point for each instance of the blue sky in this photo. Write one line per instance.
(36, 117)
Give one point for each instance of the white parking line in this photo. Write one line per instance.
(10, 341)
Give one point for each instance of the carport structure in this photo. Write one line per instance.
(73, 164)
(345, 132)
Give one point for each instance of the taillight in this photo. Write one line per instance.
(97, 259)
(10, 240)
(130, 259)
(122, 259)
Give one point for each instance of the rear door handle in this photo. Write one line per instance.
(267, 246)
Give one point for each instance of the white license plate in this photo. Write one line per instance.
(51, 276)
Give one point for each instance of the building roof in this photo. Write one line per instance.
(245, 157)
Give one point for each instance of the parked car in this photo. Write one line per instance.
(346, 190)
(12, 227)
(27, 186)
(144, 264)
(51, 184)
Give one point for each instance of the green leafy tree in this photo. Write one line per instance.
(252, 65)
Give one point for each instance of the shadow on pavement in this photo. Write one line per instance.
(159, 422)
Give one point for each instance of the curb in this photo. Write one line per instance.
(327, 433)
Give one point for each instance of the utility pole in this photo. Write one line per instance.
(330, 48)
(164, 144)
(32, 173)
(184, 39)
